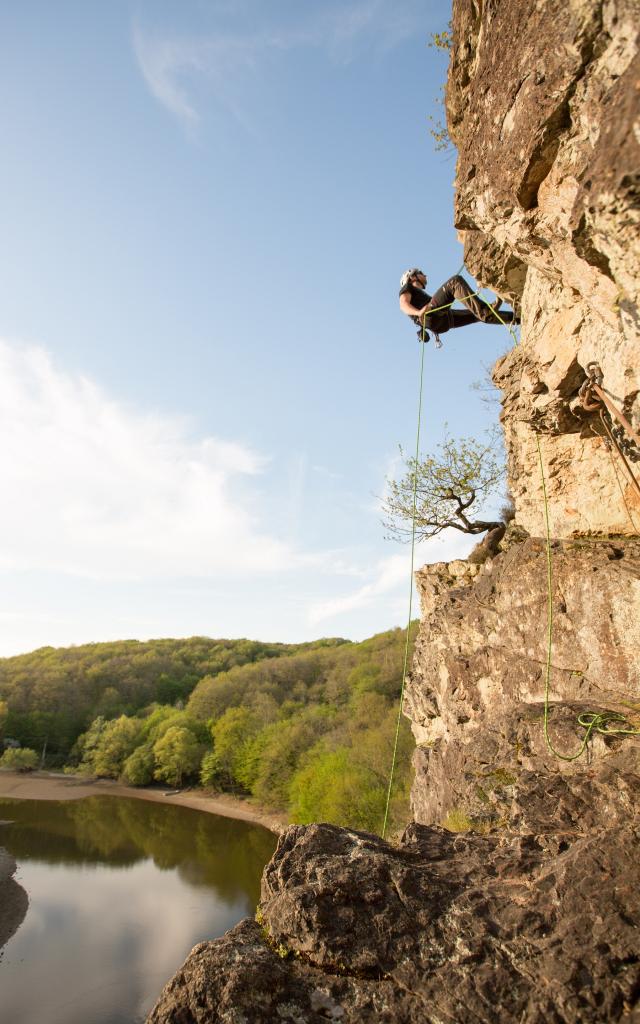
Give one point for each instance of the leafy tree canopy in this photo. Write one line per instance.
(452, 487)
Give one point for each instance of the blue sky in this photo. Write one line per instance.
(204, 374)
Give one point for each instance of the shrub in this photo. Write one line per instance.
(20, 760)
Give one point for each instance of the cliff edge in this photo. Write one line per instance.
(513, 896)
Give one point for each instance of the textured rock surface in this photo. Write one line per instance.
(543, 104)
(442, 928)
(476, 693)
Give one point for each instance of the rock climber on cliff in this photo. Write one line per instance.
(417, 303)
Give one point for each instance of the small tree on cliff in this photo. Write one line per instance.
(452, 487)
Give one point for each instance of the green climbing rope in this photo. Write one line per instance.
(413, 552)
(413, 548)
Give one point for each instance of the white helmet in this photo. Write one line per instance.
(408, 274)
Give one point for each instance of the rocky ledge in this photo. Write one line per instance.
(442, 928)
(476, 693)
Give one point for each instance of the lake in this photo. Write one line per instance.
(119, 892)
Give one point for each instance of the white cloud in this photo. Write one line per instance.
(391, 574)
(94, 489)
(171, 63)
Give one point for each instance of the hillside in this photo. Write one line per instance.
(53, 694)
(305, 729)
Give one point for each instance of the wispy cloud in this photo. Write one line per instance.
(172, 63)
(390, 575)
(95, 489)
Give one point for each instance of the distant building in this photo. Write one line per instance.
(11, 744)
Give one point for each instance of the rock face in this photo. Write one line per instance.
(524, 909)
(476, 694)
(543, 105)
(442, 928)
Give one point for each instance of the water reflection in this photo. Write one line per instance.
(120, 890)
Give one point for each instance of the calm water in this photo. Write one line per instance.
(119, 892)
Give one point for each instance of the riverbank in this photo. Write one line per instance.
(50, 786)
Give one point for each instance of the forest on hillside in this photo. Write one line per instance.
(306, 729)
(53, 694)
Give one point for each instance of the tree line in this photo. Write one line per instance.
(304, 729)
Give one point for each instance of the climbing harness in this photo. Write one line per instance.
(423, 333)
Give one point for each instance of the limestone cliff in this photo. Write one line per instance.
(542, 104)
(524, 908)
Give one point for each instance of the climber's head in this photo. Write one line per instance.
(415, 276)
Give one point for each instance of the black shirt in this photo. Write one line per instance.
(417, 298)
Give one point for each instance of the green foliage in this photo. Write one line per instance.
(308, 731)
(439, 132)
(281, 747)
(177, 754)
(209, 770)
(457, 820)
(116, 742)
(442, 40)
(348, 784)
(53, 695)
(19, 760)
(137, 770)
(460, 474)
(313, 735)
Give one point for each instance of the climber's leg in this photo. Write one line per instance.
(457, 288)
(462, 319)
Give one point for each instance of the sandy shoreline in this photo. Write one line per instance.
(46, 786)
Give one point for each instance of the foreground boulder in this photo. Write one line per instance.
(442, 928)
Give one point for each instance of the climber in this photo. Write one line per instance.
(415, 302)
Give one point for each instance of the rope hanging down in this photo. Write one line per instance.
(413, 545)
(413, 552)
